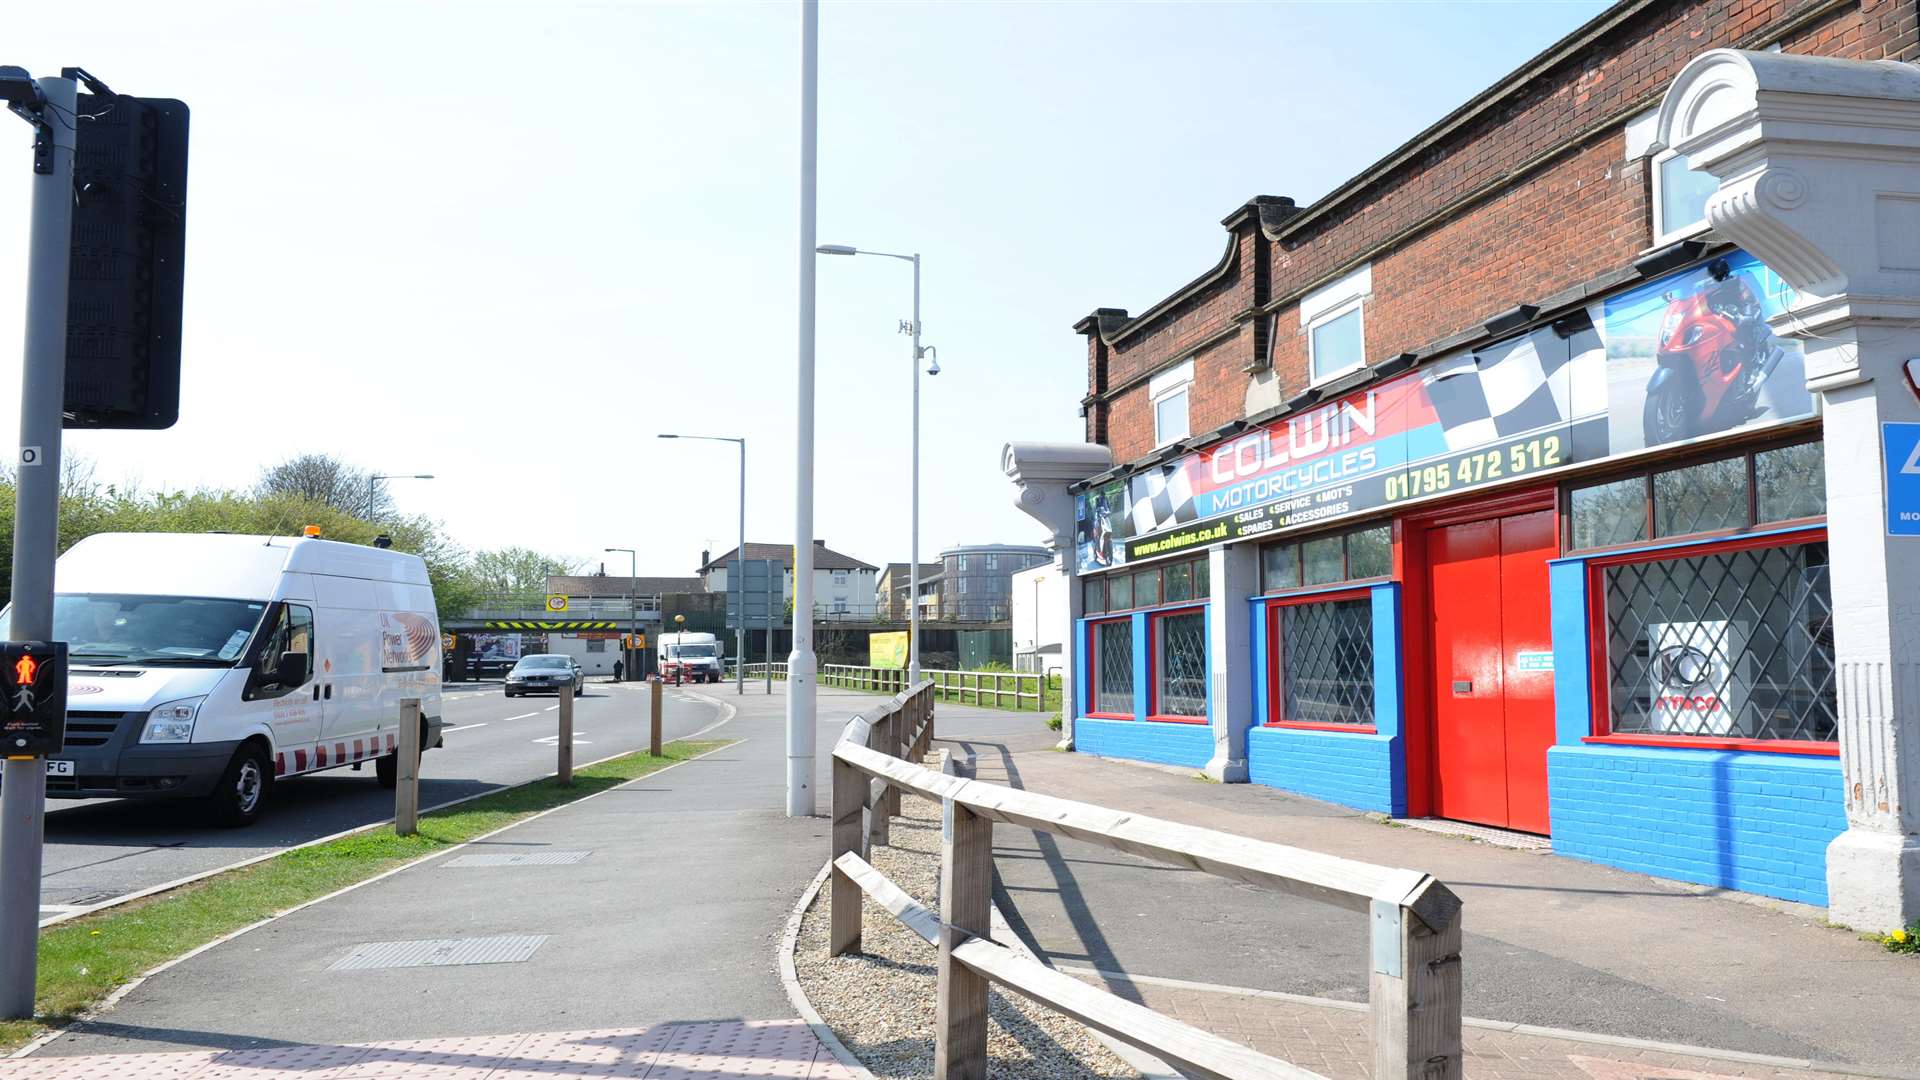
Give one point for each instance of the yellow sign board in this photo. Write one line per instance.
(556, 603)
(888, 650)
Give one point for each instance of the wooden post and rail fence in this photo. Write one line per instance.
(1414, 985)
(1000, 689)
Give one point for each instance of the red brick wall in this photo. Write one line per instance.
(1579, 213)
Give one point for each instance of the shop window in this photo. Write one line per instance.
(1764, 487)
(1113, 667)
(596, 645)
(1608, 514)
(1180, 664)
(1169, 392)
(1326, 560)
(1680, 194)
(1168, 583)
(1180, 583)
(1734, 643)
(1335, 326)
(1322, 656)
(1790, 483)
(1709, 497)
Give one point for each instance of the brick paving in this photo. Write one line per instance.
(708, 1050)
(1332, 1039)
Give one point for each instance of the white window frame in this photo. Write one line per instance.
(1176, 381)
(1336, 300)
(1662, 236)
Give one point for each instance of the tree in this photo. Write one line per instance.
(516, 570)
(329, 482)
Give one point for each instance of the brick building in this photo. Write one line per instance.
(1494, 485)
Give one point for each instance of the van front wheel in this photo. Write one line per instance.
(242, 791)
(386, 769)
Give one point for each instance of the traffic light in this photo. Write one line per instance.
(125, 279)
(33, 718)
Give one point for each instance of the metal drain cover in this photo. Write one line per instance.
(443, 952)
(518, 858)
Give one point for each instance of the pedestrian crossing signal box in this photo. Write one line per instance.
(33, 718)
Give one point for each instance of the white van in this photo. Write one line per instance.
(209, 665)
(699, 654)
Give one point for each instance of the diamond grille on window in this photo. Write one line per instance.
(1183, 665)
(1326, 657)
(1735, 644)
(1114, 651)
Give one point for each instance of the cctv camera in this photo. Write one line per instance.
(933, 359)
(18, 90)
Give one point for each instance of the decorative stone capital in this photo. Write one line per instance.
(1818, 161)
(1043, 472)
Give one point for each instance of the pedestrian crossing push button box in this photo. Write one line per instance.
(33, 718)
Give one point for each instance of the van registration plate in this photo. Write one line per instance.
(59, 768)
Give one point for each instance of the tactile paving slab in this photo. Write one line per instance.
(704, 1050)
(517, 858)
(440, 952)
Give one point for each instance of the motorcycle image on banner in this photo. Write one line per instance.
(1692, 355)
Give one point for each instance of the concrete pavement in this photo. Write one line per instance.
(1550, 941)
(677, 888)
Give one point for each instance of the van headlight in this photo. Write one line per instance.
(172, 722)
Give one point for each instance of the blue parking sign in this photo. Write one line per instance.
(1900, 447)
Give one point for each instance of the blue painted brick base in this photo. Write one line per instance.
(1759, 823)
(1145, 740)
(1354, 770)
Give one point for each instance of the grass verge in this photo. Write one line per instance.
(83, 961)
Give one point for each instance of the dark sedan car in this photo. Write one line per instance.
(545, 672)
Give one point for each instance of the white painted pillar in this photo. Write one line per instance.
(1233, 574)
(1044, 472)
(1819, 169)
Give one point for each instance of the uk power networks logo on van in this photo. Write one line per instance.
(405, 640)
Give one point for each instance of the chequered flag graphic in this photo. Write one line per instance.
(1504, 390)
(1161, 497)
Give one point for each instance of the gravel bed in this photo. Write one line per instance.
(880, 1001)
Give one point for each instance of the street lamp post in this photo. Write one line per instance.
(375, 478)
(913, 554)
(633, 616)
(739, 588)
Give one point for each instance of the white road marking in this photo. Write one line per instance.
(554, 740)
(522, 716)
(463, 727)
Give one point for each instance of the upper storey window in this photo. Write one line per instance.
(1170, 390)
(1336, 330)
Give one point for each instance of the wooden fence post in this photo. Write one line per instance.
(565, 742)
(849, 802)
(966, 882)
(878, 823)
(1414, 992)
(406, 791)
(653, 721)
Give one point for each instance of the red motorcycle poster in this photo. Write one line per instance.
(1692, 355)
(1683, 357)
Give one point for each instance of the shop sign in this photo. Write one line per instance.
(1698, 687)
(1685, 356)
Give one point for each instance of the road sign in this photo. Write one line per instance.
(1900, 448)
(33, 676)
(556, 603)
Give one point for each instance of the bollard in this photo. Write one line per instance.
(653, 734)
(566, 736)
(406, 790)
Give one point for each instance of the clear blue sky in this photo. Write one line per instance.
(509, 243)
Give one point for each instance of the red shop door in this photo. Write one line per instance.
(1493, 683)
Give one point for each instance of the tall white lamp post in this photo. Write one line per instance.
(933, 368)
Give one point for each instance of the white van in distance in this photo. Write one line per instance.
(209, 665)
(698, 654)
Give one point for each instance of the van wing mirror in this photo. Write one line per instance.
(291, 670)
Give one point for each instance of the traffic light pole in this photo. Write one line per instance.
(23, 785)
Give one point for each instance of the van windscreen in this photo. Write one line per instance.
(106, 628)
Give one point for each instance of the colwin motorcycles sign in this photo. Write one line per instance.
(1685, 356)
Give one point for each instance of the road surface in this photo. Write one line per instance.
(98, 849)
